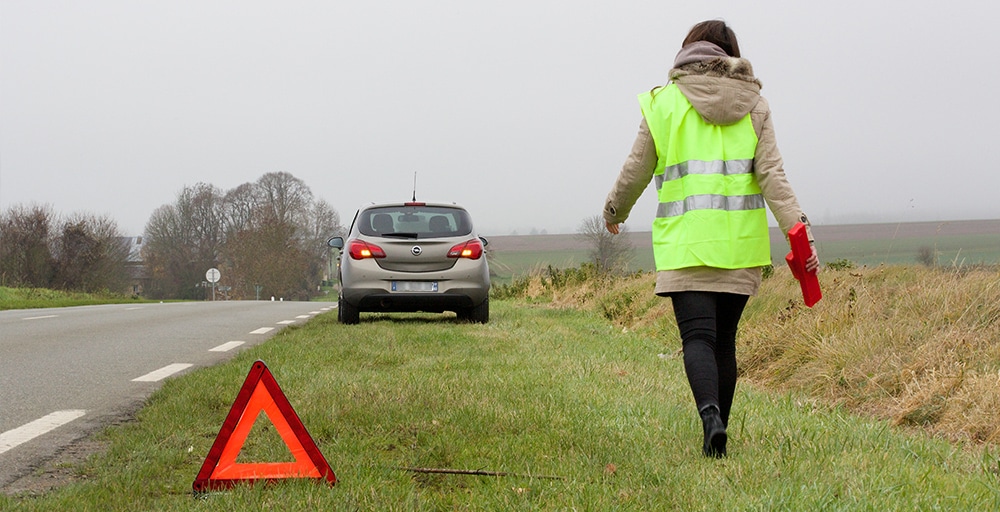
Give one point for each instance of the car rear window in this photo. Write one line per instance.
(414, 221)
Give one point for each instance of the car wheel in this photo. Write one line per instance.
(346, 313)
(477, 314)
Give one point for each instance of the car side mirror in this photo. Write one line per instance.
(336, 242)
(484, 240)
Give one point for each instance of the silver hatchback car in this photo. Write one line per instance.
(413, 256)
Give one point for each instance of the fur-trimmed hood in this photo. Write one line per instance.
(722, 89)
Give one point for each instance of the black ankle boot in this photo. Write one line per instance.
(715, 433)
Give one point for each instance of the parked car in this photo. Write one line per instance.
(410, 257)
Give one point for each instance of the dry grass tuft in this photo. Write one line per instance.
(917, 345)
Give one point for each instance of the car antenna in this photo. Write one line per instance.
(414, 186)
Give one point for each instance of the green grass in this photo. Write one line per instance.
(949, 250)
(326, 294)
(538, 392)
(28, 298)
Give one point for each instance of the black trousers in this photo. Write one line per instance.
(708, 322)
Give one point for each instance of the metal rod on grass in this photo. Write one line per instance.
(476, 472)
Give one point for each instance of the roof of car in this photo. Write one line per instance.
(412, 203)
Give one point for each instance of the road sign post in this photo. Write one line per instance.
(213, 276)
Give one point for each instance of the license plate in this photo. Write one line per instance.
(414, 286)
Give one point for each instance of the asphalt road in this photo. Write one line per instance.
(67, 372)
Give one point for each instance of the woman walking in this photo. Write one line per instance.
(707, 142)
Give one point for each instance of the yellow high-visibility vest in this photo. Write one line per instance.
(711, 212)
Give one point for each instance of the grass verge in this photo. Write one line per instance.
(540, 391)
(29, 298)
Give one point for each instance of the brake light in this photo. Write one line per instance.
(414, 203)
(360, 250)
(472, 249)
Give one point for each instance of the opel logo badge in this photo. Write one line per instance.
(416, 250)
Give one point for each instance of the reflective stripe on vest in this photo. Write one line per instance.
(678, 171)
(711, 211)
(710, 202)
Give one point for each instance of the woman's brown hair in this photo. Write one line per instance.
(716, 32)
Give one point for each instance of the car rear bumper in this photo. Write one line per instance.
(452, 295)
(382, 301)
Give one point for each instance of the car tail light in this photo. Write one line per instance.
(360, 250)
(472, 249)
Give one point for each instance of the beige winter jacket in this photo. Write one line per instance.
(723, 90)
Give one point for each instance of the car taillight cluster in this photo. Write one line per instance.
(360, 250)
(471, 249)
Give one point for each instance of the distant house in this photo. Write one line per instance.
(138, 273)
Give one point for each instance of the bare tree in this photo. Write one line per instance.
(609, 253)
(25, 254)
(325, 224)
(183, 240)
(239, 207)
(91, 255)
(86, 253)
(201, 207)
(269, 256)
(269, 233)
(283, 198)
(283, 246)
(167, 255)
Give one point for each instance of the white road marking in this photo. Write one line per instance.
(303, 316)
(27, 432)
(225, 347)
(262, 330)
(38, 317)
(286, 322)
(314, 312)
(162, 373)
(133, 308)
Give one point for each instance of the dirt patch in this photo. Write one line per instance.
(65, 468)
(66, 465)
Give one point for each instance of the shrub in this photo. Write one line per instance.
(767, 271)
(840, 264)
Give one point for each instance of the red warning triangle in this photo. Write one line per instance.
(260, 393)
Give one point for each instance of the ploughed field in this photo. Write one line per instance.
(950, 243)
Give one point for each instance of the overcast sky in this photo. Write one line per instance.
(521, 110)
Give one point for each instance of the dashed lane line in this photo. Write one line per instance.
(163, 373)
(43, 425)
(225, 347)
(52, 421)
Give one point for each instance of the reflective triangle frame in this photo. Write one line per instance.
(260, 393)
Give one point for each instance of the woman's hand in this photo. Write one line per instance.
(612, 228)
(812, 263)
